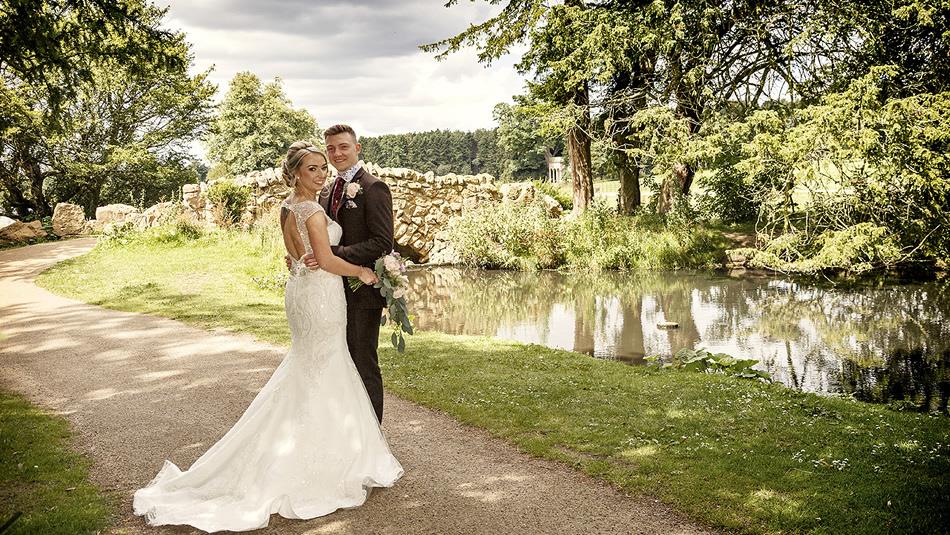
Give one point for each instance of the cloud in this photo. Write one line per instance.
(353, 62)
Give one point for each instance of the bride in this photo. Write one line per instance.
(309, 443)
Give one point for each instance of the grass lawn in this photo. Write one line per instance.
(605, 190)
(41, 478)
(735, 454)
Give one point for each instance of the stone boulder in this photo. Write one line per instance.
(265, 179)
(518, 192)
(191, 196)
(553, 207)
(19, 231)
(442, 252)
(92, 227)
(159, 214)
(68, 220)
(526, 193)
(116, 214)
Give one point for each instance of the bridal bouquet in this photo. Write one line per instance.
(393, 284)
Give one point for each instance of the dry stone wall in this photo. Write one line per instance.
(423, 204)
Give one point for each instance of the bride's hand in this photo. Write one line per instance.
(368, 277)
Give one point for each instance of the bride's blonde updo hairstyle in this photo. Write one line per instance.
(295, 154)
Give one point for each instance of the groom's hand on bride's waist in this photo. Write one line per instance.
(309, 260)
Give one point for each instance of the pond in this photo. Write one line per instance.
(880, 343)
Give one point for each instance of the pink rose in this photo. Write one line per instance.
(352, 189)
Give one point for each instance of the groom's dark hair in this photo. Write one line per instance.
(340, 129)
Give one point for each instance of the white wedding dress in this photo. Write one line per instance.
(308, 444)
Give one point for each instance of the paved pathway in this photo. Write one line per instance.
(139, 389)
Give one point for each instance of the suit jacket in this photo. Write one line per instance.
(367, 222)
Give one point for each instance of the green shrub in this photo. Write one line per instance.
(269, 241)
(229, 201)
(524, 237)
(179, 231)
(508, 236)
(118, 235)
(556, 193)
(175, 232)
(218, 171)
(603, 239)
(854, 250)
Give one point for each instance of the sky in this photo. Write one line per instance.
(354, 62)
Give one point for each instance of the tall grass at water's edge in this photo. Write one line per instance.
(527, 238)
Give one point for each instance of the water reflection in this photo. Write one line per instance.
(810, 338)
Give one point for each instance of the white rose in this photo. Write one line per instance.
(391, 264)
(352, 189)
(399, 293)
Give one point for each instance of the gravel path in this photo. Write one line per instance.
(139, 389)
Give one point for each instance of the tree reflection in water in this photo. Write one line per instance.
(880, 343)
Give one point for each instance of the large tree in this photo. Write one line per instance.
(255, 124)
(56, 44)
(119, 131)
(560, 62)
(522, 142)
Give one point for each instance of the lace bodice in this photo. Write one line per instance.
(302, 211)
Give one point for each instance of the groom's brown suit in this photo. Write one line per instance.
(367, 222)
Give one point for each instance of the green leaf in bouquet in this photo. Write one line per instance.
(402, 345)
(394, 340)
(382, 320)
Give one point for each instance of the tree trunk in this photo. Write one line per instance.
(629, 198)
(36, 177)
(34, 174)
(578, 146)
(631, 85)
(678, 183)
(682, 174)
(17, 201)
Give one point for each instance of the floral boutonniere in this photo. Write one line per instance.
(353, 190)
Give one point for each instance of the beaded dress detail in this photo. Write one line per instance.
(307, 445)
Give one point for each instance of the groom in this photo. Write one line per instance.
(363, 205)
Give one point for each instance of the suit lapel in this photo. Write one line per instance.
(356, 180)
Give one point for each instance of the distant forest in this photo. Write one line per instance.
(445, 151)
